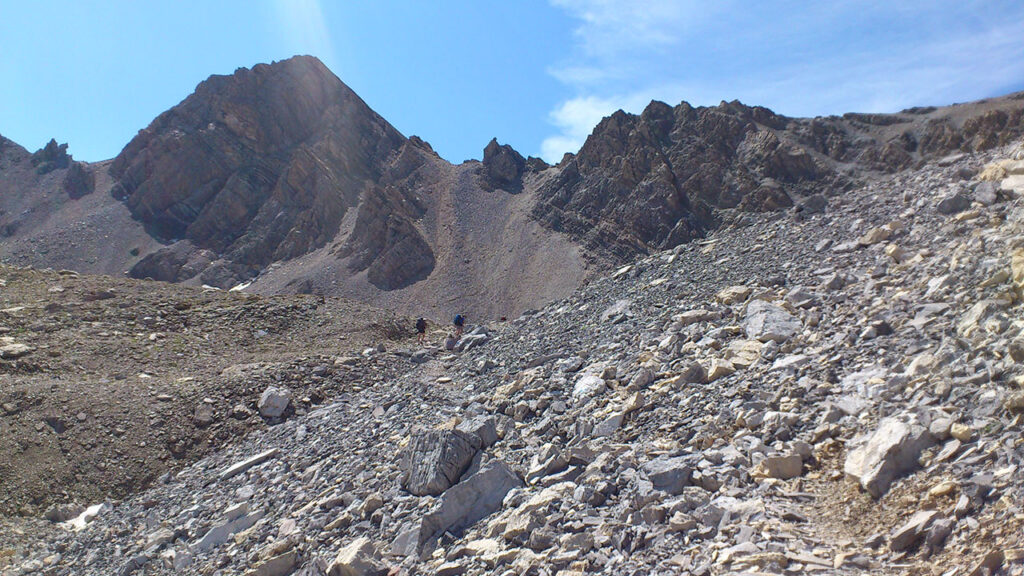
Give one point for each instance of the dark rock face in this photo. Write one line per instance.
(386, 243)
(503, 167)
(652, 181)
(257, 166)
(79, 181)
(656, 180)
(177, 262)
(283, 161)
(51, 157)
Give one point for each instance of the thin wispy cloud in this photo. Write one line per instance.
(797, 59)
(303, 27)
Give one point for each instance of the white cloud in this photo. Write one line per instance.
(797, 59)
(576, 118)
(303, 27)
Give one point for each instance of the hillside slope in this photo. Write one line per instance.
(834, 392)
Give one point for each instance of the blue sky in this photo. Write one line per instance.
(535, 74)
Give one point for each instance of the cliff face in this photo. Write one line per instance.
(256, 167)
(659, 179)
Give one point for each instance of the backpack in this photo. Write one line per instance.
(459, 320)
(421, 324)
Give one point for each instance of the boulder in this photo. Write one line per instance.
(742, 353)
(273, 402)
(953, 204)
(733, 294)
(12, 350)
(280, 565)
(765, 321)
(63, 512)
(668, 474)
(360, 558)
(719, 369)
(203, 415)
(813, 204)
(695, 316)
(483, 427)
(891, 450)
(436, 459)
(986, 193)
(474, 498)
(470, 341)
(874, 236)
(780, 467)
(587, 385)
(801, 297)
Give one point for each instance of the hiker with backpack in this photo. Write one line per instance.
(459, 323)
(421, 331)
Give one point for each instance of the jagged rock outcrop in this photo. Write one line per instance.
(51, 157)
(79, 181)
(656, 180)
(257, 166)
(503, 167)
(385, 241)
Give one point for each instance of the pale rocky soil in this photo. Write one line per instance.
(700, 411)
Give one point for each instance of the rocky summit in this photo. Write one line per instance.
(730, 342)
(835, 391)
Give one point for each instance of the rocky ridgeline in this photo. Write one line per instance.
(281, 178)
(835, 390)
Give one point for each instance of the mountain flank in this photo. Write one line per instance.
(281, 178)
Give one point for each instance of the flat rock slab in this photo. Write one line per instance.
(14, 350)
(469, 501)
(782, 467)
(907, 535)
(436, 459)
(244, 465)
(220, 533)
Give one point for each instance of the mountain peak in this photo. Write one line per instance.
(237, 165)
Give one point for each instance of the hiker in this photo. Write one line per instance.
(459, 323)
(421, 331)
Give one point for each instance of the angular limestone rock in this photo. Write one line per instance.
(436, 459)
(273, 402)
(891, 450)
(765, 321)
(669, 474)
(464, 504)
(360, 558)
